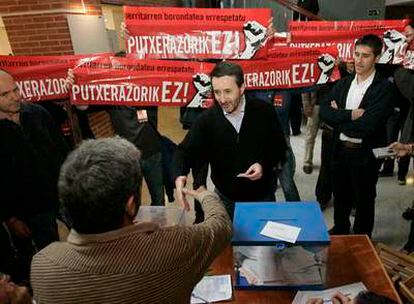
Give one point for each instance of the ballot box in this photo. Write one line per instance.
(278, 261)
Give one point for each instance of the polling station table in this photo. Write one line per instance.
(352, 258)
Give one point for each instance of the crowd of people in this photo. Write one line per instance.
(244, 137)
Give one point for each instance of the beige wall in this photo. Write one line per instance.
(5, 48)
(114, 15)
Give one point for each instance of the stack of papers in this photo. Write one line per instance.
(212, 289)
(350, 290)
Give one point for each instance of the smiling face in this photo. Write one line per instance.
(227, 93)
(364, 60)
(9, 94)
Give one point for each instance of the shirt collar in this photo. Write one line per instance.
(366, 81)
(80, 239)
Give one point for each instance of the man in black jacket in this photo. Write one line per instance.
(357, 108)
(240, 138)
(31, 153)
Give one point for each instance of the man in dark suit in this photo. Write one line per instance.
(31, 153)
(240, 137)
(357, 108)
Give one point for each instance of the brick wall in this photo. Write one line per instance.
(38, 27)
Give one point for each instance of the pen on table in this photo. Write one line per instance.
(199, 298)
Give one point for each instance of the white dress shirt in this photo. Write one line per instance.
(353, 100)
(236, 117)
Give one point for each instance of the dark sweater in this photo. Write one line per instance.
(212, 139)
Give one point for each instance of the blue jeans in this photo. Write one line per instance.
(286, 176)
(153, 174)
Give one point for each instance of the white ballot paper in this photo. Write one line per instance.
(281, 232)
(164, 216)
(384, 152)
(212, 289)
(350, 290)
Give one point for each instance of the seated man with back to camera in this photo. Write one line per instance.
(108, 258)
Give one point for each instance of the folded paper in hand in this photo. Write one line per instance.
(164, 216)
(383, 152)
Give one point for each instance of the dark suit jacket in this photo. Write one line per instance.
(377, 103)
(30, 158)
(213, 140)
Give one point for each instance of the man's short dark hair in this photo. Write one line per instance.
(373, 41)
(369, 297)
(225, 68)
(96, 181)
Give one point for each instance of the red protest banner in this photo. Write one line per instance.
(278, 39)
(351, 25)
(394, 42)
(138, 82)
(170, 32)
(291, 68)
(41, 77)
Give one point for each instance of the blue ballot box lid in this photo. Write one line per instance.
(250, 218)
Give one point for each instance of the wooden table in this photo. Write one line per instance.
(352, 258)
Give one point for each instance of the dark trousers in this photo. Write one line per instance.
(323, 190)
(230, 204)
(403, 166)
(153, 175)
(295, 113)
(354, 179)
(44, 231)
(6, 252)
(393, 129)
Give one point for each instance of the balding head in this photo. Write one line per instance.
(3, 72)
(9, 94)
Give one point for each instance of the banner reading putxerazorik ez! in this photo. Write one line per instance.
(142, 82)
(41, 77)
(344, 34)
(182, 33)
(288, 68)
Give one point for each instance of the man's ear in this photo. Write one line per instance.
(242, 88)
(131, 207)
